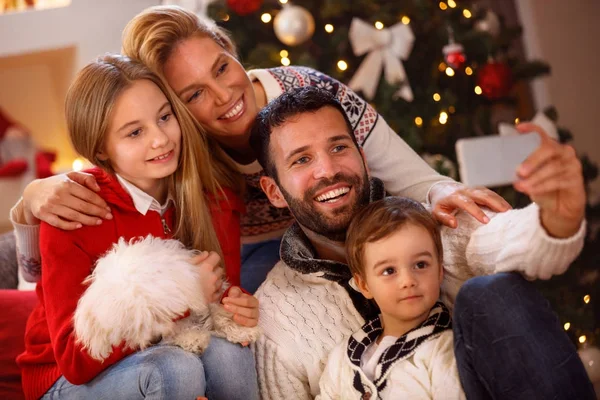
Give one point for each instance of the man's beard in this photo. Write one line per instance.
(333, 228)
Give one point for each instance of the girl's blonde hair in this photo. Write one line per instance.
(89, 105)
(151, 36)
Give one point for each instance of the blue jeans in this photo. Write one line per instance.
(225, 371)
(509, 344)
(257, 260)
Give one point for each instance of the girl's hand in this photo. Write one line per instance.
(211, 274)
(244, 307)
(65, 202)
(447, 198)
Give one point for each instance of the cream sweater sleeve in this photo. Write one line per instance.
(400, 168)
(277, 378)
(445, 383)
(516, 241)
(329, 384)
(28, 244)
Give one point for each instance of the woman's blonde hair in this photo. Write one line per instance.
(152, 35)
(89, 105)
(150, 38)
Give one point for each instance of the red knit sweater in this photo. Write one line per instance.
(68, 258)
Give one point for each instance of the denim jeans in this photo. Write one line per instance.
(225, 371)
(509, 344)
(257, 260)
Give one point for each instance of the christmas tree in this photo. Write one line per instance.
(464, 74)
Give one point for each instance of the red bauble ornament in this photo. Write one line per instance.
(244, 7)
(495, 80)
(454, 54)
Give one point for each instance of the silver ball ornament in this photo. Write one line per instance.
(294, 25)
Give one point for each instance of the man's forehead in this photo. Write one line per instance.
(310, 129)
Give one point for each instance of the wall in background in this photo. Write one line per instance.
(565, 34)
(40, 51)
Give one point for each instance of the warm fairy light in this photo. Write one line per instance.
(442, 67)
(283, 1)
(567, 326)
(342, 65)
(379, 25)
(467, 13)
(225, 17)
(328, 28)
(77, 164)
(266, 18)
(478, 90)
(452, 3)
(582, 339)
(586, 298)
(418, 121)
(443, 117)
(517, 120)
(449, 71)
(284, 53)
(437, 97)
(405, 20)
(469, 71)
(443, 5)
(285, 61)
(451, 109)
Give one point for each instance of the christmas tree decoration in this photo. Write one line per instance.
(244, 7)
(199, 7)
(489, 23)
(495, 80)
(386, 47)
(440, 163)
(294, 25)
(454, 55)
(540, 119)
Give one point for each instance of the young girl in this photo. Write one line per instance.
(153, 169)
(199, 62)
(395, 254)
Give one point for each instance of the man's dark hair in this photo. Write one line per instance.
(294, 102)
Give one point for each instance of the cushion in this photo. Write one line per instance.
(15, 307)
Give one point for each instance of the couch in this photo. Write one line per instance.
(15, 307)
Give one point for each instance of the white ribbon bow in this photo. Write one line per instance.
(386, 48)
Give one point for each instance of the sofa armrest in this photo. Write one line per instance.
(8, 261)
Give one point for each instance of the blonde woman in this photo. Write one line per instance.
(155, 172)
(199, 62)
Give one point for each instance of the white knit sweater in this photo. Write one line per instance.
(304, 314)
(429, 373)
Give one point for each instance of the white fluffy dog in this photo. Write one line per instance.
(138, 294)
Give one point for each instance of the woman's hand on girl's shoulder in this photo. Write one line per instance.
(243, 306)
(65, 201)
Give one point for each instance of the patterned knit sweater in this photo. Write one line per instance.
(390, 159)
(308, 305)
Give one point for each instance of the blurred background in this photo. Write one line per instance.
(463, 68)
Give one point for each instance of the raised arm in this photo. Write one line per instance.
(64, 201)
(402, 170)
(544, 238)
